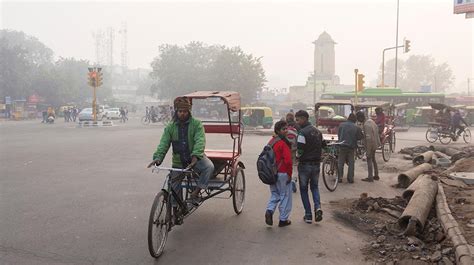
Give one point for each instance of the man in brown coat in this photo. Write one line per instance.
(371, 142)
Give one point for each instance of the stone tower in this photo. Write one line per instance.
(324, 57)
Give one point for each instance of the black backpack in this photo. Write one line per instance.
(266, 164)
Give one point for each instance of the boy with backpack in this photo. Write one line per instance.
(291, 136)
(281, 195)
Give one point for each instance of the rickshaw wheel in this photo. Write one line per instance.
(466, 135)
(445, 138)
(393, 142)
(238, 190)
(159, 224)
(430, 133)
(386, 151)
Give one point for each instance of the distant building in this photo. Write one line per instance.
(325, 59)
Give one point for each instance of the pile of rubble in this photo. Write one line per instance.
(378, 217)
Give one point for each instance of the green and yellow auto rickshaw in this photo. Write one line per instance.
(423, 115)
(257, 116)
(469, 115)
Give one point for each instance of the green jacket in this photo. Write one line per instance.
(196, 141)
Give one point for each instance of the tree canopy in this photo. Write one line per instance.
(416, 71)
(27, 67)
(196, 66)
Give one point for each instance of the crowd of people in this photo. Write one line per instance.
(304, 153)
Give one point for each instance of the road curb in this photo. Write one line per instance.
(464, 251)
(95, 124)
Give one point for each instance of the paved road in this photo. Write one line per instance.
(73, 195)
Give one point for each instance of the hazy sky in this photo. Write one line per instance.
(282, 32)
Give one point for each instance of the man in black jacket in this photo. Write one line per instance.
(310, 142)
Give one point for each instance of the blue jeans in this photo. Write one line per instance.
(281, 195)
(309, 175)
(204, 168)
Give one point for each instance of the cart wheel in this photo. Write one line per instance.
(145, 120)
(386, 151)
(466, 136)
(393, 142)
(238, 190)
(158, 224)
(330, 177)
(431, 135)
(445, 138)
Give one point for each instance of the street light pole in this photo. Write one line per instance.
(396, 50)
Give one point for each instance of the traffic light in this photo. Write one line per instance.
(99, 78)
(360, 82)
(92, 79)
(407, 46)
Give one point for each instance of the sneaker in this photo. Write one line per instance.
(339, 180)
(307, 219)
(368, 180)
(376, 178)
(269, 217)
(284, 223)
(318, 215)
(293, 186)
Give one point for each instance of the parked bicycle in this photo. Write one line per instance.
(329, 166)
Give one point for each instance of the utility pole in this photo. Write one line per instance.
(406, 45)
(396, 50)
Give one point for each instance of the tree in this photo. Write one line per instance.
(180, 70)
(417, 71)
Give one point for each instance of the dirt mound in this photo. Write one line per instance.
(463, 165)
(376, 217)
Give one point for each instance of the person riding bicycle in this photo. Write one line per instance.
(456, 121)
(186, 136)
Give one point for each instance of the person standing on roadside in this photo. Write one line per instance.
(371, 142)
(310, 142)
(348, 133)
(291, 136)
(281, 191)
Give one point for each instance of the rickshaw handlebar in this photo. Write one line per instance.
(158, 168)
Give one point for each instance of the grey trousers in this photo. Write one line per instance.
(372, 167)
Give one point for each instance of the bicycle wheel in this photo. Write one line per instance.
(330, 177)
(386, 151)
(431, 135)
(466, 136)
(145, 120)
(238, 190)
(159, 224)
(445, 138)
(393, 142)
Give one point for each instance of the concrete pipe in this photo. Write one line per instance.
(414, 216)
(407, 177)
(423, 158)
(447, 150)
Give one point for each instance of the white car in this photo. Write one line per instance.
(112, 113)
(86, 115)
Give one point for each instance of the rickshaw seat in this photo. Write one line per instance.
(222, 128)
(220, 154)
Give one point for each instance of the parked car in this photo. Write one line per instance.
(112, 113)
(86, 115)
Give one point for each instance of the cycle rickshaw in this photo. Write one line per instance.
(228, 174)
(387, 135)
(440, 127)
